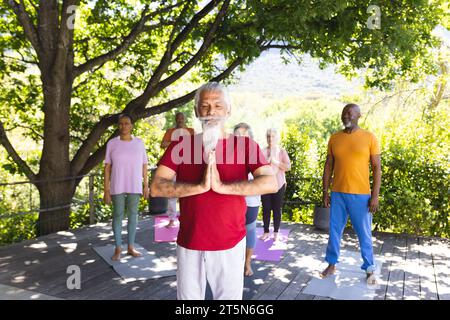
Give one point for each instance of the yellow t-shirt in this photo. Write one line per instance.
(351, 154)
(173, 134)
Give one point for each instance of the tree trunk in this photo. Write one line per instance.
(55, 159)
(56, 198)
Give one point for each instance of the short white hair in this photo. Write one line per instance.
(212, 86)
(274, 131)
(245, 126)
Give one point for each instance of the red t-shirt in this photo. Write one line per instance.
(212, 221)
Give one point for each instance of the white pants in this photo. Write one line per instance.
(172, 208)
(223, 269)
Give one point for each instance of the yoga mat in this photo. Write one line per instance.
(13, 293)
(268, 249)
(148, 266)
(163, 234)
(349, 281)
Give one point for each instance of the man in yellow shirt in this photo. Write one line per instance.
(174, 134)
(180, 129)
(348, 157)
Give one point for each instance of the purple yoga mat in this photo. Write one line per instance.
(267, 249)
(163, 234)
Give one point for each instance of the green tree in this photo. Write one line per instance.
(65, 79)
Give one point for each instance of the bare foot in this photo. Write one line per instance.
(264, 236)
(116, 255)
(275, 236)
(170, 224)
(371, 279)
(331, 269)
(133, 252)
(248, 271)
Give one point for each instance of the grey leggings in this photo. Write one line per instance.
(130, 201)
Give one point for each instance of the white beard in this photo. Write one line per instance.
(211, 133)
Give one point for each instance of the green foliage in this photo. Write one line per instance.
(302, 177)
(16, 224)
(332, 31)
(416, 176)
(150, 132)
(17, 228)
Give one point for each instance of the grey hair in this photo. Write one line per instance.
(245, 126)
(274, 131)
(212, 86)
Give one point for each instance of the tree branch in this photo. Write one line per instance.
(439, 87)
(27, 128)
(147, 112)
(83, 153)
(142, 100)
(124, 45)
(26, 23)
(47, 30)
(65, 38)
(17, 59)
(86, 80)
(76, 138)
(97, 156)
(280, 46)
(146, 28)
(207, 41)
(83, 156)
(181, 54)
(4, 141)
(164, 64)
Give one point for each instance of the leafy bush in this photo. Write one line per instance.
(18, 228)
(415, 177)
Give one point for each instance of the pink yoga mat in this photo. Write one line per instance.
(163, 234)
(267, 249)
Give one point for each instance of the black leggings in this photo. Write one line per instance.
(272, 202)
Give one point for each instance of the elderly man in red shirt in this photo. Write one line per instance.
(212, 179)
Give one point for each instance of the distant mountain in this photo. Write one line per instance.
(269, 76)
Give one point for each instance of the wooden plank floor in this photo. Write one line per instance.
(415, 267)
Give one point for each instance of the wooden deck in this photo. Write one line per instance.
(415, 268)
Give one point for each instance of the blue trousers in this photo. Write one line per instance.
(250, 226)
(356, 206)
(131, 202)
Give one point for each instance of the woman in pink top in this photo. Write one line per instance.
(280, 163)
(125, 172)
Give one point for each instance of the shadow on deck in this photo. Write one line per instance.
(415, 268)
